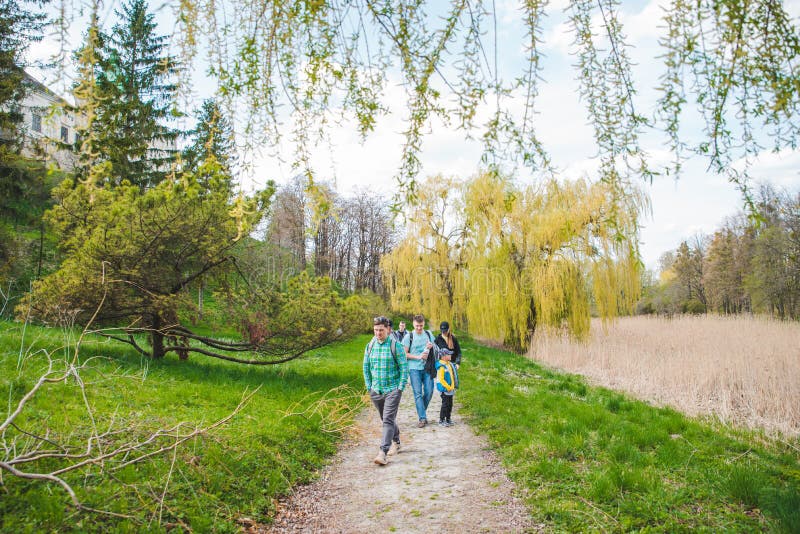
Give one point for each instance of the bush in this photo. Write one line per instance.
(694, 307)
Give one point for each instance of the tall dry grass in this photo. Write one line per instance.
(744, 370)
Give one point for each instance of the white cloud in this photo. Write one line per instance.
(559, 39)
(778, 168)
(644, 25)
(792, 8)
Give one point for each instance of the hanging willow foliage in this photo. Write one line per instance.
(426, 271)
(521, 258)
(296, 68)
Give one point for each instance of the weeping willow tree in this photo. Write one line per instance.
(540, 255)
(296, 69)
(426, 270)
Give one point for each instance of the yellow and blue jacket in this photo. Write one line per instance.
(446, 377)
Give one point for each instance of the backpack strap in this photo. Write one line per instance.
(393, 350)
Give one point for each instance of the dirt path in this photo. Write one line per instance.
(443, 480)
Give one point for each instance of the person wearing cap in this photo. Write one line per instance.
(446, 340)
(385, 375)
(446, 383)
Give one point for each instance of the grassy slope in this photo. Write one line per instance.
(236, 471)
(589, 458)
(586, 458)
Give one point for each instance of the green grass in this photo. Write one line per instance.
(235, 471)
(584, 458)
(591, 459)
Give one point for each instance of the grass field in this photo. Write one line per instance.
(235, 471)
(743, 370)
(591, 459)
(585, 458)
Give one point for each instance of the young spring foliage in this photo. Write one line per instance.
(523, 257)
(426, 270)
(731, 64)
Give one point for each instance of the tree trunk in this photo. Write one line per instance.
(157, 337)
(531, 326)
(200, 300)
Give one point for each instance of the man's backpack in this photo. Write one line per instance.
(392, 348)
(430, 361)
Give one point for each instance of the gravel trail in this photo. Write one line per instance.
(443, 480)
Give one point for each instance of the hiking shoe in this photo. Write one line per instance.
(442, 423)
(448, 423)
(422, 423)
(394, 449)
(381, 458)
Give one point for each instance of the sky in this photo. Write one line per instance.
(696, 203)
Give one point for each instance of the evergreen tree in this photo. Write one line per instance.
(131, 99)
(23, 188)
(212, 142)
(18, 28)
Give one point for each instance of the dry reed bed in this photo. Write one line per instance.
(744, 370)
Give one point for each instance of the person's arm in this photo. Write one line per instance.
(403, 361)
(456, 352)
(367, 373)
(407, 348)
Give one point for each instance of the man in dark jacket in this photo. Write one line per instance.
(401, 332)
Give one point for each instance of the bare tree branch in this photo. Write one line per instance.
(110, 450)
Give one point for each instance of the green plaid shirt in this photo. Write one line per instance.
(381, 373)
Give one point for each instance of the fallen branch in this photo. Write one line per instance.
(336, 407)
(117, 447)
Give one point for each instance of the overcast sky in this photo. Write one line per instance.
(698, 202)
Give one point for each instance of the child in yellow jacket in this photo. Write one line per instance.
(446, 383)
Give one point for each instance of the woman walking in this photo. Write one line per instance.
(446, 340)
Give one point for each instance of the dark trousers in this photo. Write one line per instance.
(447, 407)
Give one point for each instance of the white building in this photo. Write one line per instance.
(47, 126)
(50, 130)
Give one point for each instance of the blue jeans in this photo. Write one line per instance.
(422, 384)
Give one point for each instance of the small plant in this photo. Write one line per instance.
(747, 484)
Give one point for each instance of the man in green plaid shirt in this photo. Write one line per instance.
(385, 375)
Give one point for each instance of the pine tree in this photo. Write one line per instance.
(132, 99)
(212, 143)
(18, 28)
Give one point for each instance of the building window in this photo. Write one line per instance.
(77, 139)
(36, 122)
(65, 134)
